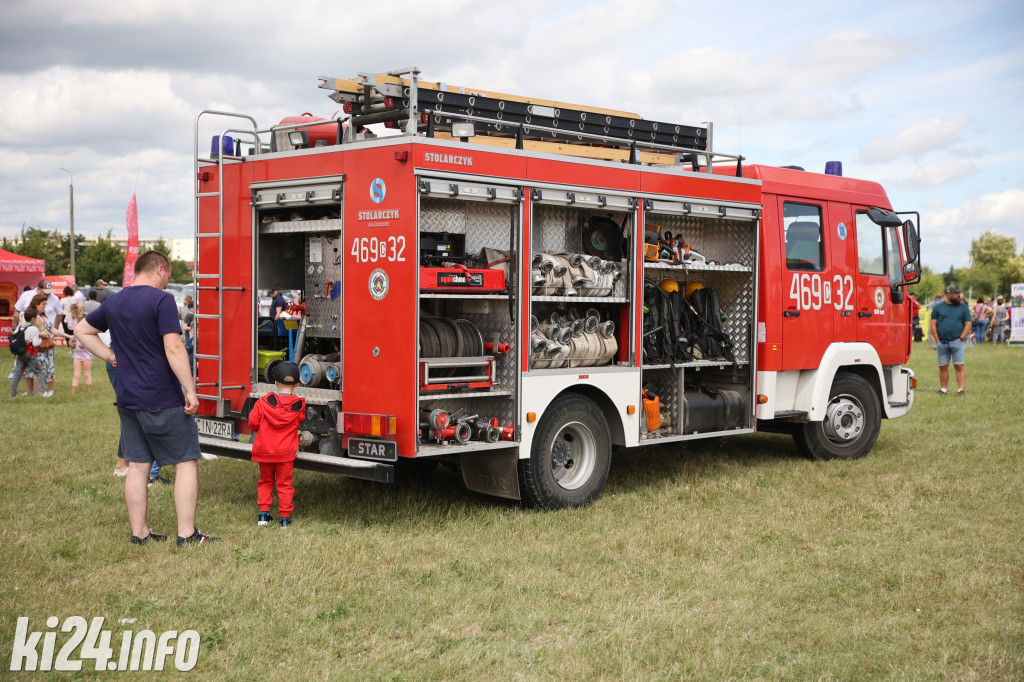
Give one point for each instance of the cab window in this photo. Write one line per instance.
(894, 262)
(805, 248)
(870, 246)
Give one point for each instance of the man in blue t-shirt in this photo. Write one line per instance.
(951, 325)
(276, 303)
(157, 420)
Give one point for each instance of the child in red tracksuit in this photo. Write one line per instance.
(276, 418)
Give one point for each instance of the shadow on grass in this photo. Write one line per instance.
(441, 497)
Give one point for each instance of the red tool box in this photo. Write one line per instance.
(463, 280)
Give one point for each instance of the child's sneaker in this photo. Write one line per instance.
(136, 540)
(197, 538)
(264, 518)
(285, 521)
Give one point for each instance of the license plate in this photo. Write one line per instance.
(383, 450)
(216, 427)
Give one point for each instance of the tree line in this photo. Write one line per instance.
(102, 259)
(995, 265)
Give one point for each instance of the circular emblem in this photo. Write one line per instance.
(879, 297)
(841, 230)
(379, 284)
(377, 190)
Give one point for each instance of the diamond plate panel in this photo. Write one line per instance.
(501, 407)
(727, 241)
(324, 314)
(485, 224)
(559, 229)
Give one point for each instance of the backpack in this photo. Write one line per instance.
(667, 324)
(710, 337)
(17, 341)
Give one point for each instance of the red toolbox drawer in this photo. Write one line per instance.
(463, 280)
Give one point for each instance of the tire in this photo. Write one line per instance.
(851, 425)
(570, 457)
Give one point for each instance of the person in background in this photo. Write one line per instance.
(1000, 321)
(980, 315)
(91, 303)
(101, 291)
(65, 307)
(186, 331)
(79, 355)
(27, 363)
(915, 317)
(47, 331)
(79, 296)
(54, 313)
(951, 325)
(183, 308)
(276, 304)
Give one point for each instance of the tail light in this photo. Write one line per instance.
(389, 102)
(347, 107)
(370, 424)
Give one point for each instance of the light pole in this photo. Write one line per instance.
(71, 195)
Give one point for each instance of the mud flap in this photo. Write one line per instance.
(491, 473)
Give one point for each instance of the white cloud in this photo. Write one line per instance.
(936, 175)
(931, 134)
(947, 233)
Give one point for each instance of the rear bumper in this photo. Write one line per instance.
(379, 472)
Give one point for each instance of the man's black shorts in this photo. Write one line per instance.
(167, 436)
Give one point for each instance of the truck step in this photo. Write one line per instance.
(311, 461)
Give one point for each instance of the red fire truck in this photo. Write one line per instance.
(514, 286)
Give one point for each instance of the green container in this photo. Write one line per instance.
(265, 356)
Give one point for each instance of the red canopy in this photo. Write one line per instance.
(12, 262)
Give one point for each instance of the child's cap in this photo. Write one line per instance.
(287, 373)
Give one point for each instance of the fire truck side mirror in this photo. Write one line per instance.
(912, 241)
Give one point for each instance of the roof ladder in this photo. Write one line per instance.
(400, 99)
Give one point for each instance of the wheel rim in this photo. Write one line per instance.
(844, 420)
(573, 455)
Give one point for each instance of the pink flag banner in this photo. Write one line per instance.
(131, 252)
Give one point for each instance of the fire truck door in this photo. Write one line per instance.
(842, 292)
(881, 311)
(806, 313)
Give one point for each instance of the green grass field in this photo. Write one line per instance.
(733, 559)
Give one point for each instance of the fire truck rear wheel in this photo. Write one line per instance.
(851, 424)
(570, 456)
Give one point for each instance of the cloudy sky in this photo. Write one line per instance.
(926, 97)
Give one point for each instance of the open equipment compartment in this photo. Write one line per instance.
(704, 387)
(466, 333)
(299, 247)
(580, 278)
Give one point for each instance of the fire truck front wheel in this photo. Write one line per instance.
(570, 456)
(851, 424)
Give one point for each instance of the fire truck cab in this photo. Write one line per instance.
(513, 286)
